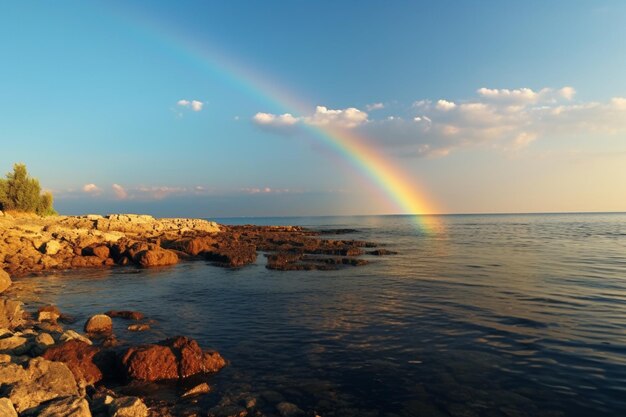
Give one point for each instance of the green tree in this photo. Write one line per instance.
(20, 192)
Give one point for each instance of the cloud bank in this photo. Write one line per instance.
(509, 119)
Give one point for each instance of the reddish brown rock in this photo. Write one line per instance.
(79, 357)
(100, 251)
(174, 358)
(125, 314)
(192, 246)
(156, 257)
(86, 262)
(233, 255)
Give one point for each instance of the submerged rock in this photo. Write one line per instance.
(125, 314)
(173, 358)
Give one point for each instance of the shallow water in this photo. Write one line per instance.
(494, 315)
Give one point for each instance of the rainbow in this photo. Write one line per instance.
(404, 193)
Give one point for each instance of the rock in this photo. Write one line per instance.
(156, 257)
(101, 251)
(41, 381)
(232, 255)
(5, 280)
(80, 359)
(6, 408)
(228, 411)
(99, 323)
(51, 247)
(141, 327)
(16, 345)
(288, 409)
(203, 388)
(11, 313)
(125, 314)
(72, 335)
(48, 313)
(382, 252)
(5, 358)
(174, 358)
(128, 407)
(86, 262)
(65, 407)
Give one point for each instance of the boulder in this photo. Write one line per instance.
(156, 257)
(11, 313)
(5, 281)
(79, 357)
(48, 313)
(41, 381)
(128, 407)
(72, 335)
(6, 408)
(65, 407)
(100, 323)
(140, 327)
(100, 251)
(199, 389)
(51, 247)
(173, 358)
(14, 344)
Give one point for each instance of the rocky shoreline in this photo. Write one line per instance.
(49, 370)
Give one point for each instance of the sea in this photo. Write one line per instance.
(476, 315)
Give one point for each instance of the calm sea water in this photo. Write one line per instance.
(486, 315)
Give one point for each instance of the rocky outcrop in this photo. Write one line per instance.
(33, 244)
(174, 358)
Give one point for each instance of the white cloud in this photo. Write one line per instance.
(92, 189)
(268, 119)
(120, 192)
(193, 105)
(348, 118)
(374, 106)
(508, 119)
(445, 105)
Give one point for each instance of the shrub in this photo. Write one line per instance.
(20, 192)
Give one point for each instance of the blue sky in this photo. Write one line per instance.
(491, 106)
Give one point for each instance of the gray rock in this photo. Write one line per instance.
(6, 408)
(128, 407)
(40, 381)
(5, 280)
(65, 407)
(11, 313)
